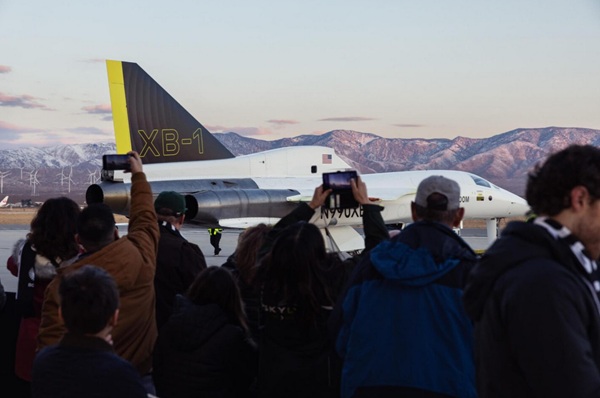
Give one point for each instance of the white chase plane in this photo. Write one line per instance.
(180, 154)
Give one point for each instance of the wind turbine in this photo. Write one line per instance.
(2, 175)
(62, 176)
(92, 176)
(33, 181)
(70, 180)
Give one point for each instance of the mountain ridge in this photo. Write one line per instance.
(504, 159)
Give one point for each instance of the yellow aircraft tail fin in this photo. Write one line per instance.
(150, 121)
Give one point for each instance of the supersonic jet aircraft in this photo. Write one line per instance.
(180, 154)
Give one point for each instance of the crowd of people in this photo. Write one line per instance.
(416, 314)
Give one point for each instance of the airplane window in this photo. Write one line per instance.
(480, 181)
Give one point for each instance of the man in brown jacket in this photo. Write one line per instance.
(131, 260)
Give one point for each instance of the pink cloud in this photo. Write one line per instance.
(408, 125)
(5, 69)
(11, 134)
(346, 119)
(98, 109)
(22, 101)
(5, 127)
(282, 122)
(251, 131)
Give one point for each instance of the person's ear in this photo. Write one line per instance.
(114, 318)
(413, 211)
(458, 217)
(579, 196)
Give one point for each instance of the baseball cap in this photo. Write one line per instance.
(447, 188)
(171, 200)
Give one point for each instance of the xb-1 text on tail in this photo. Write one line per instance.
(148, 120)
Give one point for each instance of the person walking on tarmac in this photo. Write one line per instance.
(215, 238)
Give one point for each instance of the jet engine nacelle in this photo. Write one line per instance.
(206, 207)
(209, 207)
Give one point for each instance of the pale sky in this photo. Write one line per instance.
(273, 69)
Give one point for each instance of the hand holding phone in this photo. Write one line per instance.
(116, 162)
(341, 196)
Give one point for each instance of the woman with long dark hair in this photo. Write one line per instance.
(50, 243)
(299, 282)
(205, 348)
(242, 264)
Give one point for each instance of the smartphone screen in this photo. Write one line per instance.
(341, 197)
(115, 162)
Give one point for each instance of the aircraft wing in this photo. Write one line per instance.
(377, 194)
(389, 194)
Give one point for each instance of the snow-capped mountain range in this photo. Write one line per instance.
(504, 159)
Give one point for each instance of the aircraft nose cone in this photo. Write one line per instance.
(518, 206)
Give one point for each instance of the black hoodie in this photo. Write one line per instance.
(537, 322)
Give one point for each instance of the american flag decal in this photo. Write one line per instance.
(327, 158)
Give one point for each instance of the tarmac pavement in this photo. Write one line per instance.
(9, 234)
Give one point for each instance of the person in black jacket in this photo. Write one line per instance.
(534, 297)
(205, 348)
(84, 363)
(299, 284)
(178, 261)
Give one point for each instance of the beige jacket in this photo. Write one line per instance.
(131, 260)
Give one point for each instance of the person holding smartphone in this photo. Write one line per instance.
(299, 283)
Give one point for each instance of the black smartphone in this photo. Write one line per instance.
(341, 196)
(115, 162)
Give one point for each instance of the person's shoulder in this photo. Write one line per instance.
(191, 247)
(44, 353)
(119, 365)
(121, 377)
(537, 276)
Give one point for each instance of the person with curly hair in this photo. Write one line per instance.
(49, 244)
(535, 296)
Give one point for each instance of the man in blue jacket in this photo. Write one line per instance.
(402, 329)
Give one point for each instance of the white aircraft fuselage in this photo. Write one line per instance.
(291, 168)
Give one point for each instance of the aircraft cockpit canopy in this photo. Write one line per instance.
(482, 182)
